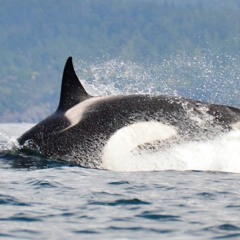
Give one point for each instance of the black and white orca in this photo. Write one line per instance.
(84, 127)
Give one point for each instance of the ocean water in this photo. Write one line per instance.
(42, 199)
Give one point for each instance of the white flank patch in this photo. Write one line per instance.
(117, 154)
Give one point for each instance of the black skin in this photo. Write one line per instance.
(103, 118)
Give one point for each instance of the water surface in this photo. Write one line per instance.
(50, 200)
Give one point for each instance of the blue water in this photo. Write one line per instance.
(40, 199)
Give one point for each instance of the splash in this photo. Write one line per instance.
(206, 77)
(8, 143)
(11, 154)
(9, 134)
(219, 154)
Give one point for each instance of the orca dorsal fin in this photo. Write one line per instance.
(72, 91)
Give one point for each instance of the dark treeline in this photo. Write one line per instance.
(37, 36)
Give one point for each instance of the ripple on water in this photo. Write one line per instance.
(122, 202)
(151, 215)
(10, 200)
(21, 217)
(140, 229)
(228, 227)
(43, 183)
(224, 231)
(119, 183)
(87, 231)
(229, 236)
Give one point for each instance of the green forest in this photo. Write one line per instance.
(36, 37)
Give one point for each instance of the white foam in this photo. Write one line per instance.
(118, 155)
(9, 133)
(219, 154)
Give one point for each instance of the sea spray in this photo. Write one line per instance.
(206, 77)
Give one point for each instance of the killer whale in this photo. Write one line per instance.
(80, 129)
